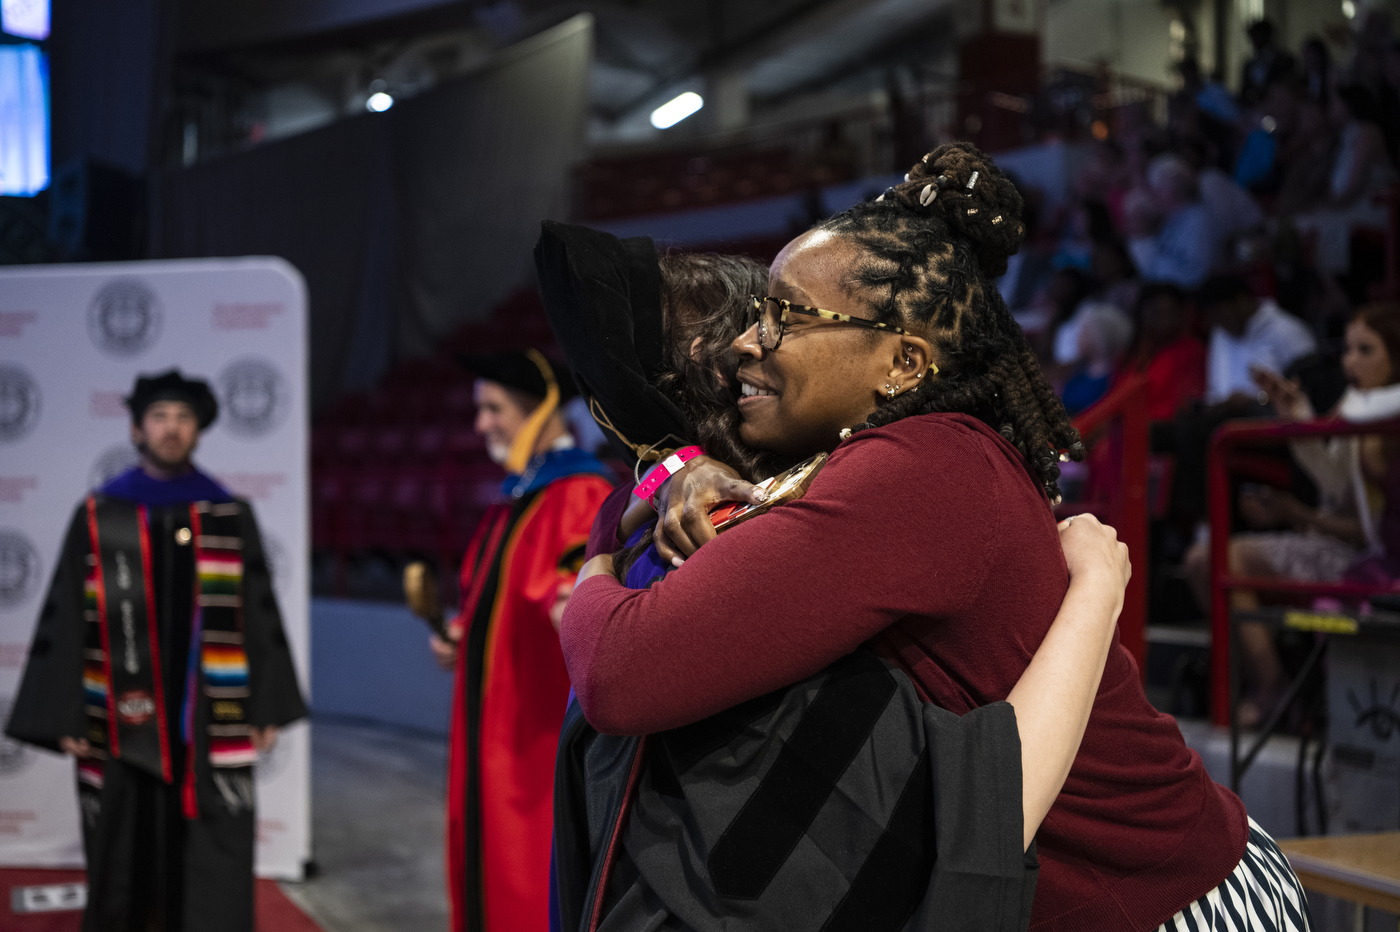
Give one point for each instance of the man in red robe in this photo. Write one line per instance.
(511, 685)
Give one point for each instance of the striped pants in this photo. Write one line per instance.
(1261, 895)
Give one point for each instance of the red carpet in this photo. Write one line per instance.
(275, 913)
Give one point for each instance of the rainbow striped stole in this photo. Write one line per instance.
(95, 681)
(223, 662)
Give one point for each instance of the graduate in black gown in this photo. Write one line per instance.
(160, 662)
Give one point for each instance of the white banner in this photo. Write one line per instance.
(72, 340)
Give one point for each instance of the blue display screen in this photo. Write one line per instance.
(24, 119)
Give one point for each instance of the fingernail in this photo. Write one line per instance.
(760, 495)
(677, 562)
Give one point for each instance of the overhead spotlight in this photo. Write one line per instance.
(379, 102)
(677, 109)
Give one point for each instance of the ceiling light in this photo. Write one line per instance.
(26, 18)
(379, 102)
(673, 111)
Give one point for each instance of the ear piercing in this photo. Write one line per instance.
(890, 389)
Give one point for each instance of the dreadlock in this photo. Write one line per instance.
(931, 249)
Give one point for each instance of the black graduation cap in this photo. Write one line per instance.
(602, 296)
(172, 386)
(515, 369)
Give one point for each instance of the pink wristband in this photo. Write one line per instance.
(665, 470)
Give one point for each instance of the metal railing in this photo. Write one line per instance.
(1226, 446)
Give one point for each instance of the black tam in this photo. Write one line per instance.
(172, 386)
(602, 296)
(516, 369)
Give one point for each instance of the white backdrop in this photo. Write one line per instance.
(72, 340)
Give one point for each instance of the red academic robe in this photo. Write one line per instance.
(509, 700)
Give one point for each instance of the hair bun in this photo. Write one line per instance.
(959, 183)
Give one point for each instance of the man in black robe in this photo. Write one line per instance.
(159, 662)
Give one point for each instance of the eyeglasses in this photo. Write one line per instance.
(771, 315)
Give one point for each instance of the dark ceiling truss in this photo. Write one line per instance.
(730, 53)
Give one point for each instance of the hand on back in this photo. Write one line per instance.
(684, 501)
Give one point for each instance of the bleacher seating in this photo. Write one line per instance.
(623, 187)
(400, 471)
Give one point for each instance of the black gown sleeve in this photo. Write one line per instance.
(49, 705)
(276, 698)
(983, 879)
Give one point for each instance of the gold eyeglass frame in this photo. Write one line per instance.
(786, 307)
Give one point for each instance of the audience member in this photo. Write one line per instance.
(1167, 352)
(1233, 211)
(1304, 158)
(1316, 76)
(1103, 334)
(1063, 297)
(1247, 334)
(1302, 542)
(1267, 65)
(1026, 271)
(1182, 248)
(1115, 277)
(1361, 168)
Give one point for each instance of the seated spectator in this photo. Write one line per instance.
(1104, 333)
(1247, 333)
(1115, 277)
(1105, 178)
(1070, 289)
(1233, 210)
(1167, 352)
(1267, 65)
(1316, 76)
(1314, 544)
(1361, 168)
(1027, 270)
(1182, 249)
(1304, 158)
(1052, 307)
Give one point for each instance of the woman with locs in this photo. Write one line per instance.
(927, 538)
(932, 862)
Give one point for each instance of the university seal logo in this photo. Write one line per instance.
(124, 317)
(253, 397)
(15, 757)
(112, 463)
(135, 707)
(19, 403)
(19, 568)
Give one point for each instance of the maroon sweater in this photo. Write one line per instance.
(929, 540)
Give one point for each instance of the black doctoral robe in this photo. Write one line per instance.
(149, 865)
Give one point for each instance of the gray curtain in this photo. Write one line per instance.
(407, 223)
(109, 65)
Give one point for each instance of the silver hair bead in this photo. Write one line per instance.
(927, 195)
(906, 177)
(972, 182)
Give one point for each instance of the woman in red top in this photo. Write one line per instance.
(928, 537)
(1173, 360)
